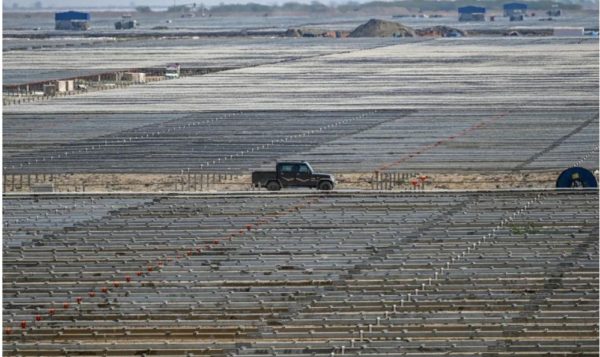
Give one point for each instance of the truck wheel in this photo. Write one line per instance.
(325, 186)
(273, 186)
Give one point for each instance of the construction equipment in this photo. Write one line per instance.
(126, 23)
(172, 71)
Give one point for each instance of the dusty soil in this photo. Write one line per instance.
(440, 31)
(214, 183)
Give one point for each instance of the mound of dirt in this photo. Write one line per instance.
(381, 28)
(441, 31)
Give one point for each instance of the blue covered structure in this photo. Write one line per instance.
(471, 10)
(514, 8)
(72, 20)
(576, 177)
(72, 15)
(471, 13)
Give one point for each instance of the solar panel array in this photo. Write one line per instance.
(299, 274)
(446, 105)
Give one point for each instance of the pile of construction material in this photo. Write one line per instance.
(299, 32)
(382, 28)
(440, 31)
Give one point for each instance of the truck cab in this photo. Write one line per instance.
(172, 71)
(292, 174)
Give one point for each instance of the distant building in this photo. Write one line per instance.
(514, 8)
(515, 11)
(554, 11)
(72, 20)
(471, 13)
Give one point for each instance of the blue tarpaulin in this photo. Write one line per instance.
(71, 15)
(515, 6)
(471, 10)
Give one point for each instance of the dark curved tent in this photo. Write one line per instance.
(576, 177)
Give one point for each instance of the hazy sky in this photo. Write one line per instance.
(78, 4)
(156, 3)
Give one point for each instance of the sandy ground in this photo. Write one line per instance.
(347, 181)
